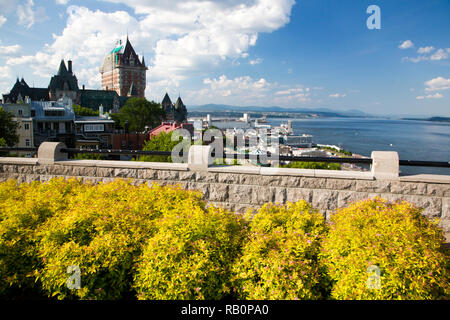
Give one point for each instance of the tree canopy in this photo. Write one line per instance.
(83, 111)
(139, 113)
(8, 128)
(161, 142)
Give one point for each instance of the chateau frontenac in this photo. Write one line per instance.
(123, 76)
(123, 71)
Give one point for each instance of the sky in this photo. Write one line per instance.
(295, 54)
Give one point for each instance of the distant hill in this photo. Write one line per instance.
(320, 111)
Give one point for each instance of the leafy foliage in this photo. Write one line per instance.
(191, 255)
(161, 142)
(139, 112)
(8, 128)
(280, 258)
(23, 209)
(83, 111)
(313, 165)
(394, 237)
(135, 241)
(103, 233)
(86, 156)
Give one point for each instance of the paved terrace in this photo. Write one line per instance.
(239, 187)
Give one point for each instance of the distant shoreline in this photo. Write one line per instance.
(435, 119)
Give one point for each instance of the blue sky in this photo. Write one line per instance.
(297, 54)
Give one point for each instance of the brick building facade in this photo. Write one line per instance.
(124, 72)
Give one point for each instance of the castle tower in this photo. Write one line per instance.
(122, 70)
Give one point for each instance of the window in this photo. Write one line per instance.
(94, 127)
(27, 143)
(54, 113)
(20, 112)
(26, 126)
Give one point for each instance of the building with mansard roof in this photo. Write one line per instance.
(65, 84)
(174, 112)
(123, 72)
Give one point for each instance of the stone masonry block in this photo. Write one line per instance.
(250, 179)
(186, 175)
(261, 195)
(438, 190)
(345, 198)
(205, 176)
(279, 195)
(167, 175)
(203, 187)
(228, 178)
(105, 172)
(290, 182)
(27, 169)
(240, 194)
(340, 184)
(297, 194)
(218, 192)
(313, 183)
(373, 186)
(408, 188)
(325, 199)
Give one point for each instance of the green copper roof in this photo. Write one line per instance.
(115, 50)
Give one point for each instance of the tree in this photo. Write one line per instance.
(83, 111)
(161, 142)
(8, 128)
(140, 113)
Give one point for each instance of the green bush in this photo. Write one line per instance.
(102, 234)
(280, 258)
(313, 165)
(394, 238)
(23, 209)
(161, 142)
(191, 256)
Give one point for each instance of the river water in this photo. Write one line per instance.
(413, 140)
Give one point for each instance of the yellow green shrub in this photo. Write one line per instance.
(191, 255)
(392, 239)
(102, 234)
(23, 208)
(280, 258)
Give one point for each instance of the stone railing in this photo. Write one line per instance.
(240, 187)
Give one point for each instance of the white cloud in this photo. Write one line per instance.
(8, 50)
(338, 95)
(5, 72)
(406, 44)
(63, 2)
(2, 20)
(291, 91)
(255, 61)
(180, 39)
(441, 54)
(430, 96)
(423, 50)
(425, 54)
(438, 83)
(27, 16)
(86, 39)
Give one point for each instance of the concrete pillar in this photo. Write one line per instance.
(49, 152)
(385, 165)
(199, 158)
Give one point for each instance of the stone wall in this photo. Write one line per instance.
(239, 188)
